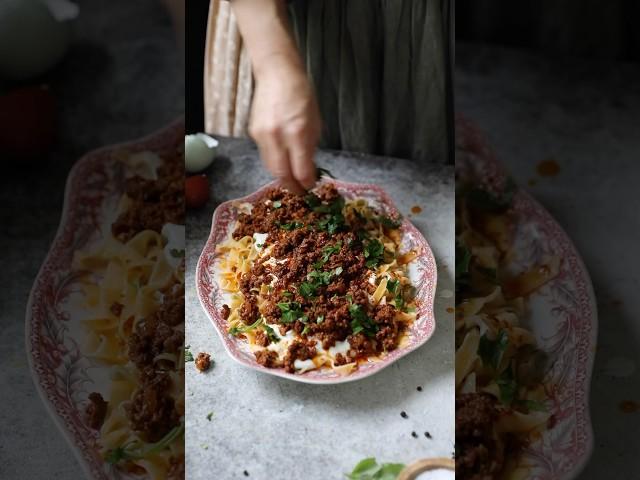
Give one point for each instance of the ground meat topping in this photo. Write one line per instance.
(153, 202)
(96, 410)
(477, 453)
(203, 361)
(314, 279)
(267, 358)
(226, 311)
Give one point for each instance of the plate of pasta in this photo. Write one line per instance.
(526, 328)
(328, 287)
(105, 318)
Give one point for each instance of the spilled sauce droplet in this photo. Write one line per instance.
(629, 406)
(548, 168)
(416, 209)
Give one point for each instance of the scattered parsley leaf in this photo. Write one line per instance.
(491, 351)
(508, 387)
(291, 225)
(360, 322)
(276, 204)
(373, 252)
(291, 311)
(188, 356)
(389, 222)
(320, 319)
(209, 415)
(271, 334)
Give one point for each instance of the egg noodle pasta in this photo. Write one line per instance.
(315, 282)
(133, 304)
(501, 399)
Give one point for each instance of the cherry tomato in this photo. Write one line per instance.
(196, 191)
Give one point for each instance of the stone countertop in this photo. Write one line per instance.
(584, 115)
(104, 94)
(277, 429)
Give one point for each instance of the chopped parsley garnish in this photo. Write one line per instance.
(291, 225)
(483, 200)
(368, 469)
(316, 279)
(176, 253)
(287, 294)
(320, 319)
(133, 450)
(305, 330)
(463, 260)
(333, 221)
(532, 405)
(312, 200)
(330, 250)
(373, 252)
(271, 334)
(291, 311)
(188, 356)
(491, 351)
(360, 322)
(508, 387)
(389, 222)
(392, 285)
(237, 330)
(323, 172)
(209, 415)
(277, 204)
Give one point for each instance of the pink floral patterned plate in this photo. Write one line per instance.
(422, 272)
(563, 317)
(63, 376)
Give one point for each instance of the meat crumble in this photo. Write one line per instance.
(203, 361)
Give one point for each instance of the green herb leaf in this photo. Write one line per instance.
(209, 415)
(360, 322)
(291, 311)
(392, 285)
(276, 204)
(320, 319)
(491, 351)
(483, 200)
(271, 334)
(368, 469)
(508, 387)
(307, 289)
(373, 252)
(312, 200)
(134, 451)
(235, 331)
(323, 172)
(389, 222)
(291, 225)
(330, 250)
(188, 356)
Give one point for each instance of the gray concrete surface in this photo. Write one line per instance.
(122, 79)
(586, 116)
(279, 429)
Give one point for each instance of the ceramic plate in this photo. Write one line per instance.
(422, 273)
(62, 375)
(563, 317)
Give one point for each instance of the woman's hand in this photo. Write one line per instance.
(285, 120)
(285, 123)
